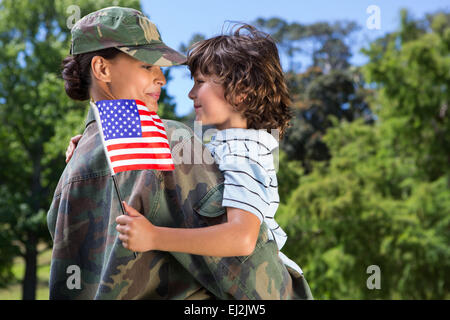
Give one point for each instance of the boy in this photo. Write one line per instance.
(239, 88)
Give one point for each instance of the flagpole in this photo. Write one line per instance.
(120, 200)
(118, 194)
(98, 121)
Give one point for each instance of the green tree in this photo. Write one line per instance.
(316, 96)
(37, 121)
(189, 118)
(411, 71)
(367, 208)
(326, 44)
(383, 198)
(327, 86)
(184, 47)
(166, 105)
(289, 175)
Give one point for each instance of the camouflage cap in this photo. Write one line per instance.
(127, 30)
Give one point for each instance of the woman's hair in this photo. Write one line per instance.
(76, 72)
(248, 66)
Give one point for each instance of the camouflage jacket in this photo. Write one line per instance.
(81, 221)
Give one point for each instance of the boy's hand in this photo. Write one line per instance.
(136, 232)
(72, 145)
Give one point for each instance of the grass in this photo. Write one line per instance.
(14, 291)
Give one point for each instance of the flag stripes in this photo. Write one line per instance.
(134, 137)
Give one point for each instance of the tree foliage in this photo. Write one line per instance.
(37, 121)
(321, 82)
(364, 171)
(411, 72)
(323, 42)
(383, 198)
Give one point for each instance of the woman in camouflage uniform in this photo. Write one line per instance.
(117, 53)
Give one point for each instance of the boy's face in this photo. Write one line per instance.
(211, 107)
(134, 79)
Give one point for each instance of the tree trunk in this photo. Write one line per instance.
(29, 279)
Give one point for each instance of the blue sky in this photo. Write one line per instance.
(178, 20)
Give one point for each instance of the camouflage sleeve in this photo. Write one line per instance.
(88, 260)
(81, 221)
(166, 198)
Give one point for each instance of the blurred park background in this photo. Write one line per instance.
(364, 171)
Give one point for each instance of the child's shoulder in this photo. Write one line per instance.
(244, 140)
(242, 148)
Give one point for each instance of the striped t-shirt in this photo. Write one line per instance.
(244, 156)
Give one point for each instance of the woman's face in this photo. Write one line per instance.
(133, 79)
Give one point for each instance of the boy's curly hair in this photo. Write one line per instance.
(248, 66)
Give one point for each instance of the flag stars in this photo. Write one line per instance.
(119, 119)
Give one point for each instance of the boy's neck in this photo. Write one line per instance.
(234, 122)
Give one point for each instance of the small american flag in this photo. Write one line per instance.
(134, 137)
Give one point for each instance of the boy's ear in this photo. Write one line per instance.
(101, 69)
(240, 98)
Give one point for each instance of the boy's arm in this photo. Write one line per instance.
(236, 237)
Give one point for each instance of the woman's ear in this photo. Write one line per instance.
(101, 69)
